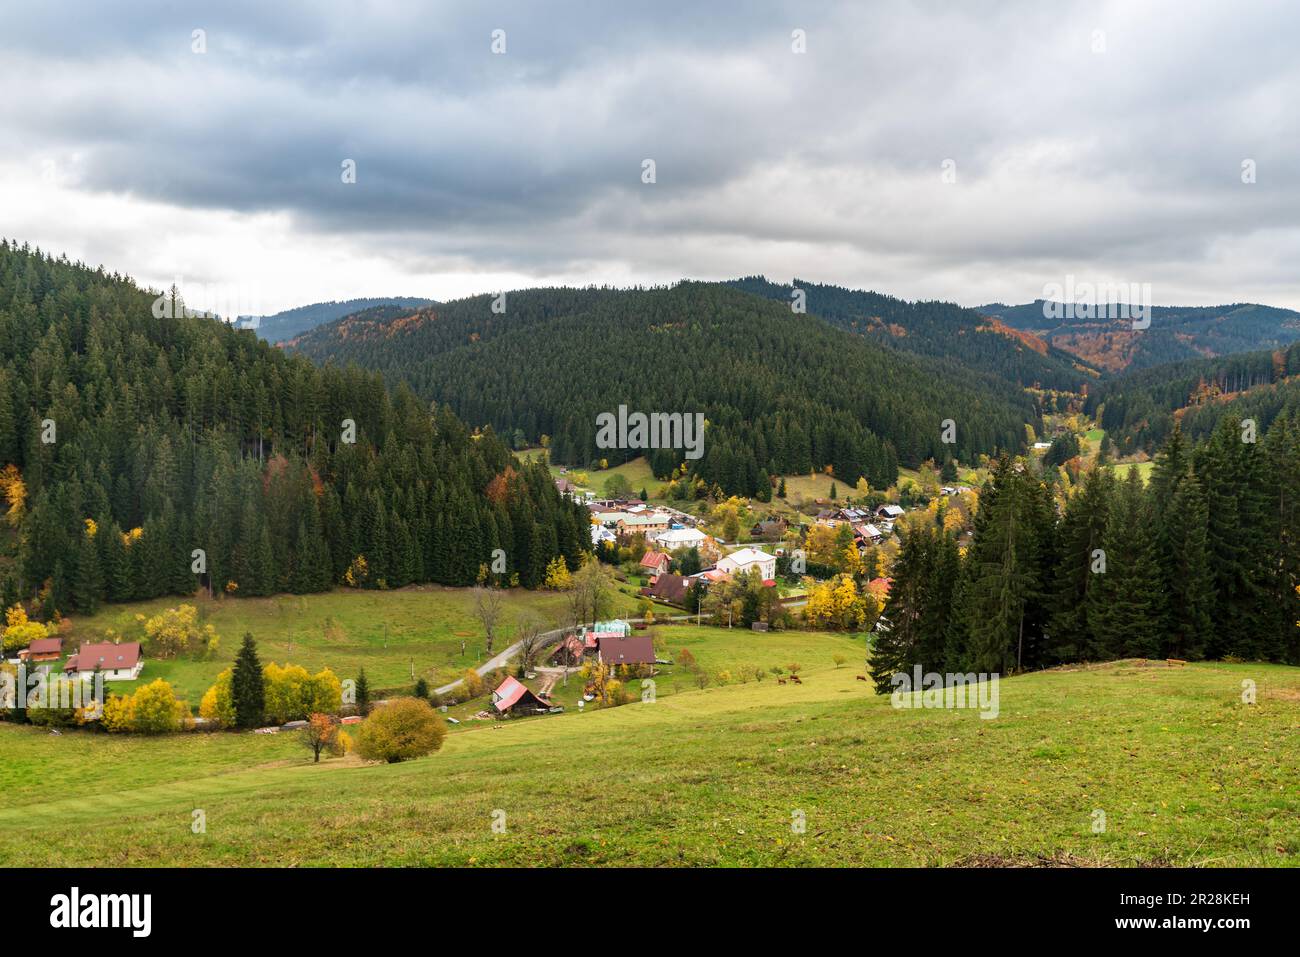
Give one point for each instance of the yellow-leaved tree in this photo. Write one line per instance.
(218, 704)
(177, 631)
(557, 575)
(153, 709)
(19, 631)
(292, 694)
(15, 493)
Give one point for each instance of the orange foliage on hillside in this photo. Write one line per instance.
(498, 490)
(1027, 339)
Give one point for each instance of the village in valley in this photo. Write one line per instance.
(702, 438)
(815, 557)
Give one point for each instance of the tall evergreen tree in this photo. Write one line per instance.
(247, 686)
(1126, 606)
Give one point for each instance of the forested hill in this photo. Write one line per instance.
(1175, 333)
(127, 441)
(935, 329)
(293, 322)
(783, 393)
(1140, 409)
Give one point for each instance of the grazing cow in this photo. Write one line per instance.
(795, 679)
(780, 681)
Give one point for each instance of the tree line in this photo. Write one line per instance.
(783, 393)
(1201, 562)
(1139, 410)
(143, 456)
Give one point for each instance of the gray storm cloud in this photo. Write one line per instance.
(1099, 139)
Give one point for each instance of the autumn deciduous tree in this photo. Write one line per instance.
(15, 493)
(153, 709)
(177, 631)
(218, 703)
(472, 683)
(399, 731)
(589, 596)
(487, 605)
(321, 734)
(19, 631)
(530, 643)
(557, 575)
(292, 693)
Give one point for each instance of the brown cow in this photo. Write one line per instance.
(780, 681)
(861, 677)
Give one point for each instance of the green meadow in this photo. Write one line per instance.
(390, 633)
(822, 773)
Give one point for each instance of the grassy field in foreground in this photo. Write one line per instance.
(1184, 772)
(384, 632)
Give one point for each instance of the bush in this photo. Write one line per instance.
(176, 632)
(400, 730)
(153, 709)
(422, 689)
(291, 694)
(472, 684)
(218, 702)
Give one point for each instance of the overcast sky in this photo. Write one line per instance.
(1103, 141)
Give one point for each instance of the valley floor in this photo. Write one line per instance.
(1183, 771)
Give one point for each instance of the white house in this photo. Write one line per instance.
(676, 538)
(599, 533)
(116, 662)
(745, 559)
(890, 511)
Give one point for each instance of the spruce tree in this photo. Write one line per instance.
(1080, 534)
(247, 686)
(1126, 611)
(363, 693)
(88, 585)
(1190, 582)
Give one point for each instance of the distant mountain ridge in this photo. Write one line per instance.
(294, 322)
(783, 393)
(937, 329)
(1175, 333)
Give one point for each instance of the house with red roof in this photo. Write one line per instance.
(656, 563)
(634, 649)
(42, 649)
(570, 651)
(514, 697)
(116, 662)
(669, 588)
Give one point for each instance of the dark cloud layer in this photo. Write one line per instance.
(1100, 139)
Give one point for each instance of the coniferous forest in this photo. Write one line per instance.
(783, 392)
(129, 441)
(1201, 562)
